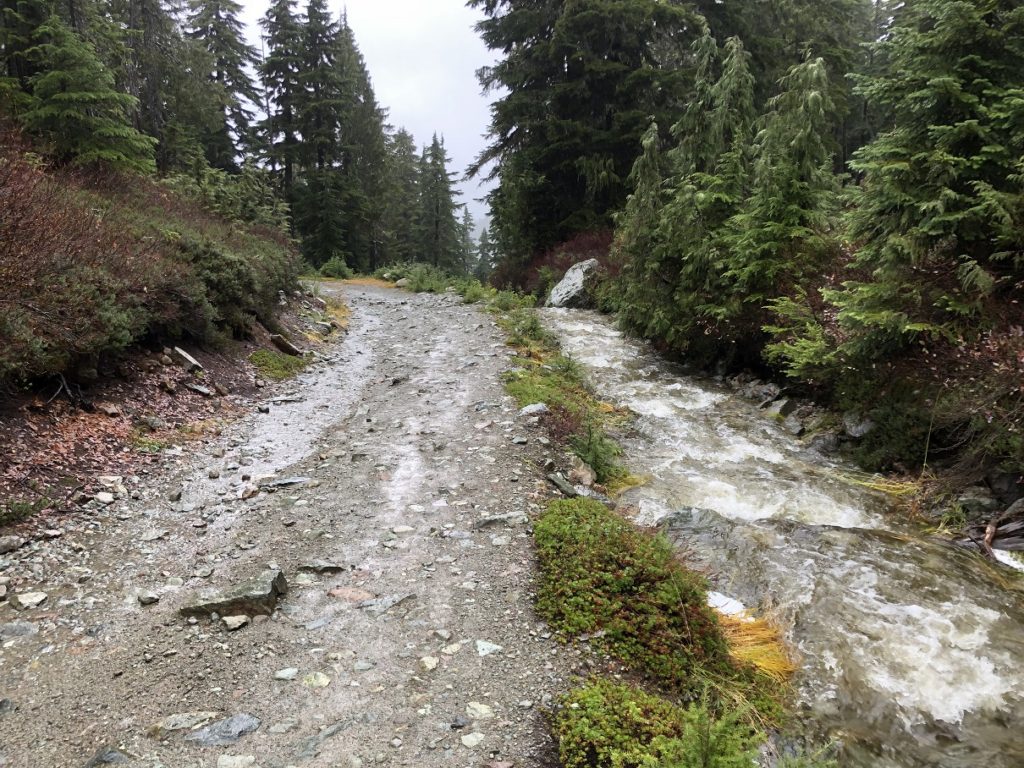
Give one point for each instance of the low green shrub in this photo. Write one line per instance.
(599, 573)
(276, 365)
(605, 725)
(335, 267)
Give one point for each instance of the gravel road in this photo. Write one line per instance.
(406, 635)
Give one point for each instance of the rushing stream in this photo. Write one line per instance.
(911, 650)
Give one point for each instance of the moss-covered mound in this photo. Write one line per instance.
(599, 573)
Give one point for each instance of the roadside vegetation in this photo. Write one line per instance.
(92, 263)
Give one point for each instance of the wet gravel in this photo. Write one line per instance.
(407, 635)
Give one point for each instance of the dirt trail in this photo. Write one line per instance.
(410, 445)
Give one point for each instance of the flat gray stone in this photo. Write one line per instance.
(381, 605)
(225, 732)
(107, 756)
(10, 543)
(257, 596)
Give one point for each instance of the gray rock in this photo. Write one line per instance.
(235, 623)
(856, 425)
(574, 290)
(107, 756)
(794, 425)
(536, 409)
(403, 283)
(381, 605)
(285, 482)
(186, 361)
(236, 761)
(511, 518)
(310, 747)
(258, 596)
(10, 543)
(105, 497)
(322, 566)
(148, 598)
(6, 705)
(558, 480)
(226, 732)
(782, 407)
(27, 600)
(200, 389)
(18, 629)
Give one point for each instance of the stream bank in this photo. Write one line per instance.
(908, 644)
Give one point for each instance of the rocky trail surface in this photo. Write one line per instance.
(363, 545)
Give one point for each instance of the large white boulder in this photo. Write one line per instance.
(575, 289)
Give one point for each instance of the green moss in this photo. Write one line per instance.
(604, 725)
(599, 573)
(275, 365)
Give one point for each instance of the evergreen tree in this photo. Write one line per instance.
(582, 80)
(402, 202)
(215, 25)
(75, 107)
(782, 235)
(439, 228)
(325, 90)
(486, 257)
(938, 215)
(364, 156)
(280, 73)
(467, 245)
(19, 20)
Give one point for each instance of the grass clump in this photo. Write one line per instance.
(599, 573)
(606, 725)
(276, 365)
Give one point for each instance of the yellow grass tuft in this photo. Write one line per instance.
(370, 281)
(757, 642)
(887, 485)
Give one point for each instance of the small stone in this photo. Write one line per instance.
(396, 742)
(429, 663)
(520, 440)
(444, 634)
(472, 740)
(363, 666)
(28, 600)
(181, 721)
(477, 711)
(525, 704)
(286, 726)
(153, 535)
(485, 648)
(451, 650)
(235, 761)
(316, 680)
(213, 474)
(235, 623)
(263, 408)
(105, 497)
(290, 673)
(148, 598)
(400, 530)
(351, 594)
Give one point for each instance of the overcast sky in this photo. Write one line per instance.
(422, 56)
